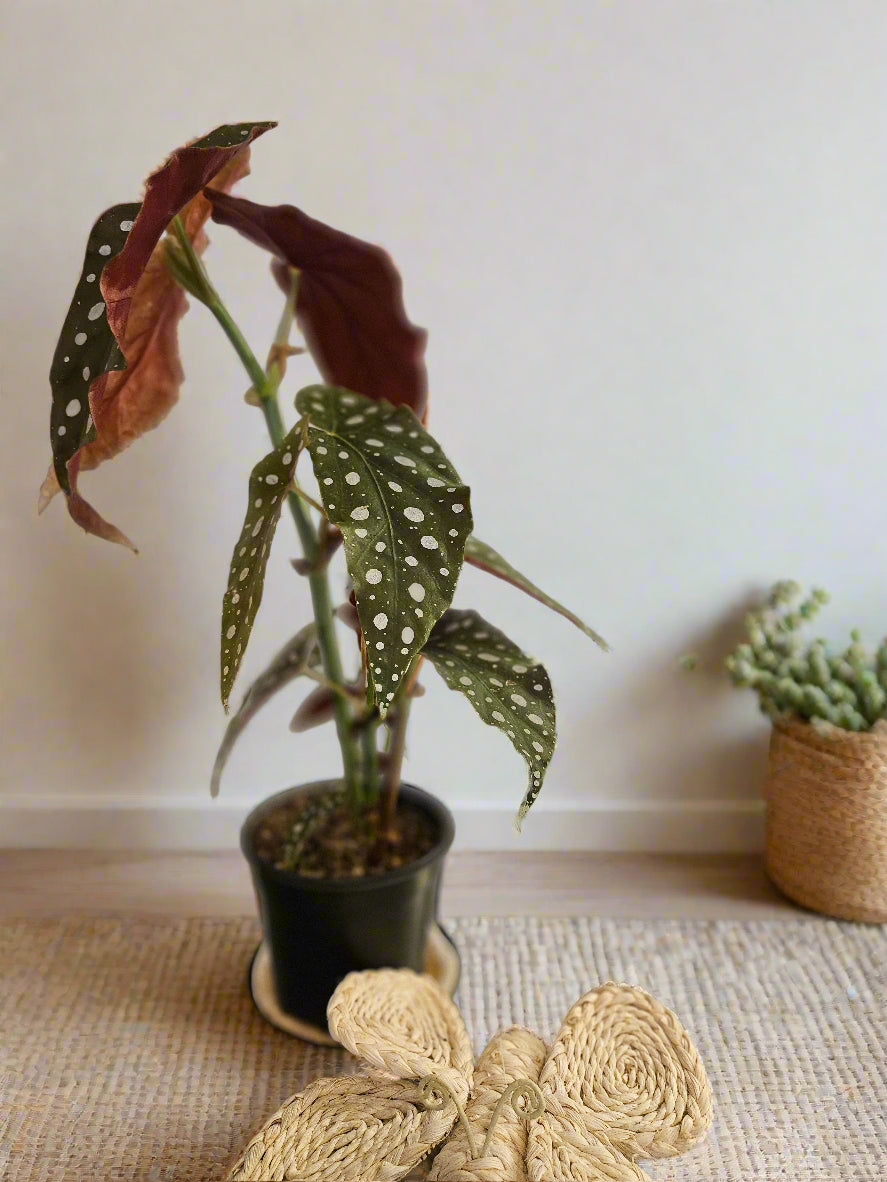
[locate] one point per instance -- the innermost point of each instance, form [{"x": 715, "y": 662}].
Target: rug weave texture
[{"x": 129, "y": 1049}]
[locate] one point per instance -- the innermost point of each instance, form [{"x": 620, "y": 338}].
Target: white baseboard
[{"x": 194, "y": 823}]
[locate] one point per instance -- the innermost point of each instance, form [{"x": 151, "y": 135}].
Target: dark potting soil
[{"x": 319, "y": 839}]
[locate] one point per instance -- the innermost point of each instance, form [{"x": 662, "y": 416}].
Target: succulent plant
[{"x": 847, "y": 689}]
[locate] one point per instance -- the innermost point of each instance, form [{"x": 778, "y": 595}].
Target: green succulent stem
[{"x": 266, "y": 382}]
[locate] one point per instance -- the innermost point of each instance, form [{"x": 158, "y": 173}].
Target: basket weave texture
[
  {"x": 623, "y": 1080},
  {"x": 827, "y": 818}
]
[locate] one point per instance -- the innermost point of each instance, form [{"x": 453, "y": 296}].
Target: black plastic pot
[{"x": 319, "y": 929}]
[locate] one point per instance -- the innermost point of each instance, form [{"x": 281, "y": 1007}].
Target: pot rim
[
  {"x": 431, "y": 805},
  {"x": 827, "y": 735}
]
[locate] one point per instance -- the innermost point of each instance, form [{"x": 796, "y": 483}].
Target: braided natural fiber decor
[
  {"x": 827, "y": 818},
  {"x": 404, "y": 1027},
  {"x": 624, "y": 1074},
  {"x": 403, "y": 1024},
  {"x": 513, "y": 1054},
  {"x": 622, "y": 1081}
]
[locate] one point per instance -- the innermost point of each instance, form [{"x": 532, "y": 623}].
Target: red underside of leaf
[
  {"x": 184, "y": 174},
  {"x": 349, "y": 304},
  {"x": 83, "y": 514},
  {"x": 143, "y": 306},
  {"x": 316, "y": 709}
]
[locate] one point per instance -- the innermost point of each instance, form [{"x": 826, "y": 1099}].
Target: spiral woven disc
[
  {"x": 623, "y": 1080},
  {"x": 404, "y": 1025}
]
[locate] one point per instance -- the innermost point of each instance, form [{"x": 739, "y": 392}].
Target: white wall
[{"x": 648, "y": 240}]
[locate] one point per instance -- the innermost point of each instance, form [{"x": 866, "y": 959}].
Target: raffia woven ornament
[{"x": 621, "y": 1081}]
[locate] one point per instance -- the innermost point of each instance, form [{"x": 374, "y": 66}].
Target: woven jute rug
[{"x": 130, "y": 1049}]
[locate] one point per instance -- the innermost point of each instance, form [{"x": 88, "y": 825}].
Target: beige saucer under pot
[{"x": 442, "y": 963}]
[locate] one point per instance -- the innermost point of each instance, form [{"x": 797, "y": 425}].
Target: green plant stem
[
  {"x": 266, "y": 384},
  {"x": 396, "y": 751},
  {"x": 369, "y": 745},
  {"x": 327, "y": 640},
  {"x": 300, "y": 492},
  {"x": 355, "y": 699}
]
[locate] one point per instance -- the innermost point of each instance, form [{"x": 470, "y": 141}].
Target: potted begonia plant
[{"x": 347, "y": 871}]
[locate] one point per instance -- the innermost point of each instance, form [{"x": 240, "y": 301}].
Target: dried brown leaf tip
[
  {"x": 350, "y": 300},
  {"x": 116, "y": 372}
]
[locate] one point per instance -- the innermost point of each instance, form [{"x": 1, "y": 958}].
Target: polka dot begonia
[
  {"x": 506, "y": 688},
  {"x": 404, "y": 515},
  {"x": 268, "y": 485}
]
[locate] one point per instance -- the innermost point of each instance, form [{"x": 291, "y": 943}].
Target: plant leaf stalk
[{"x": 396, "y": 752}]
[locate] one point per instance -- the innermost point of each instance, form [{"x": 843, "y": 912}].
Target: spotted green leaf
[
  {"x": 481, "y": 555},
  {"x": 404, "y": 516},
  {"x": 299, "y": 654},
  {"x": 506, "y": 687},
  {"x": 267, "y": 488},
  {"x": 86, "y": 347}
]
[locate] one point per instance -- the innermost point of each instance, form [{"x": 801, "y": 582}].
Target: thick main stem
[
  {"x": 369, "y": 745},
  {"x": 266, "y": 384},
  {"x": 327, "y": 640}
]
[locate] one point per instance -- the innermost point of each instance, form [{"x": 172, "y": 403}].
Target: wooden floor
[{"x": 645, "y": 886}]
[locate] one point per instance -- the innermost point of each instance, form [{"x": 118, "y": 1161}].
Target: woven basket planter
[{"x": 827, "y": 819}]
